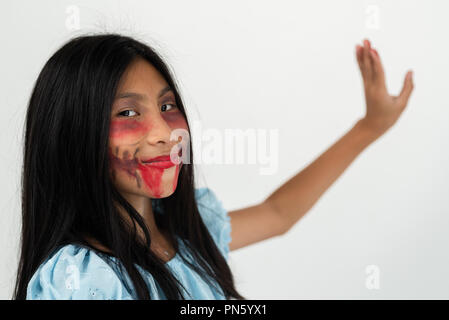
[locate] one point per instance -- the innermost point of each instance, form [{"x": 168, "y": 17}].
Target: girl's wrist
[{"x": 371, "y": 129}]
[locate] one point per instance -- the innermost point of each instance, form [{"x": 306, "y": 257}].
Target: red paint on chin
[{"x": 153, "y": 178}]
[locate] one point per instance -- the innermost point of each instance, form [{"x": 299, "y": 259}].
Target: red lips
[
  {"x": 160, "y": 158},
  {"x": 160, "y": 161}
]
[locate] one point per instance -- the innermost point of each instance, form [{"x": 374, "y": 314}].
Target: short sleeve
[
  {"x": 76, "y": 272},
  {"x": 215, "y": 217}
]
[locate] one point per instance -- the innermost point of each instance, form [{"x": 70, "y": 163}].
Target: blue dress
[{"x": 78, "y": 272}]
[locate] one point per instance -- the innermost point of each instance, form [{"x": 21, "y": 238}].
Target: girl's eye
[
  {"x": 163, "y": 109},
  {"x": 127, "y": 111},
  {"x": 168, "y": 104}
]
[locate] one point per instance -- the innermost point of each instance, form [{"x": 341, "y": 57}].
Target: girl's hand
[{"x": 382, "y": 109}]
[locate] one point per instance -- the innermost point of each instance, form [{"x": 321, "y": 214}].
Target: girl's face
[{"x": 143, "y": 115}]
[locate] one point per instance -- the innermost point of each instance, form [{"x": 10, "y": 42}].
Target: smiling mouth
[{"x": 161, "y": 162}]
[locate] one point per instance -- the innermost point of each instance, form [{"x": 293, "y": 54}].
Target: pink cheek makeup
[
  {"x": 175, "y": 119},
  {"x": 121, "y": 128}
]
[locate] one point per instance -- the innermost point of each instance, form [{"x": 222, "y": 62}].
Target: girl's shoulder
[
  {"x": 215, "y": 217},
  {"x": 210, "y": 206},
  {"x": 76, "y": 272}
]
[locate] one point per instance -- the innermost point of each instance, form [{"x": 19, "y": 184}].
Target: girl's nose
[{"x": 159, "y": 131}]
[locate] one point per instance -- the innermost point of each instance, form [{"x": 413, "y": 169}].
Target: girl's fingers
[
  {"x": 378, "y": 71},
  {"x": 367, "y": 63},
  {"x": 358, "y": 53},
  {"x": 360, "y": 60},
  {"x": 406, "y": 89}
]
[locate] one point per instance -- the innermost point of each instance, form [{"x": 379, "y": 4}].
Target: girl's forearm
[{"x": 295, "y": 197}]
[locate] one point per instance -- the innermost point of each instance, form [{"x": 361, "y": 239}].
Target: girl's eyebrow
[{"x": 140, "y": 96}]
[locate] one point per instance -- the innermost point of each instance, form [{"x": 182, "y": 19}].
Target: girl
[{"x": 109, "y": 205}]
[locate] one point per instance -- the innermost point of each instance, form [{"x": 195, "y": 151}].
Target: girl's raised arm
[{"x": 292, "y": 200}]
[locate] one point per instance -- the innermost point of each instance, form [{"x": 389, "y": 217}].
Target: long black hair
[{"x": 67, "y": 192}]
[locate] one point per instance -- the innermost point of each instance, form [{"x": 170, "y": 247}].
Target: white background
[{"x": 287, "y": 65}]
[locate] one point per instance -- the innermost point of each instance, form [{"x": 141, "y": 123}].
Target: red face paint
[
  {"x": 175, "y": 119},
  {"x": 120, "y": 128},
  {"x": 131, "y": 129},
  {"x": 152, "y": 177},
  {"x": 125, "y": 164}
]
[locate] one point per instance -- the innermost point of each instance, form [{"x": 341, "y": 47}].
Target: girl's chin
[
  {"x": 161, "y": 193},
  {"x": 159, "y": 196}
]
